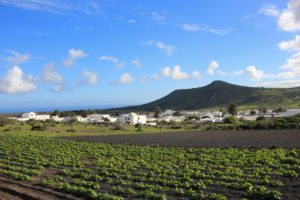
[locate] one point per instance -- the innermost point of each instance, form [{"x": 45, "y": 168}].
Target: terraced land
[{"x": 48, "y": 168}]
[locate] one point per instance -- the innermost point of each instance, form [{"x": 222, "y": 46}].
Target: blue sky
[{"x": 87, "y": 54}]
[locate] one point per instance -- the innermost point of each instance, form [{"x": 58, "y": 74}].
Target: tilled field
[{"x": 224, "y": 139}]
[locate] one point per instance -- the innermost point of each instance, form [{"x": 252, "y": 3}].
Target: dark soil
[{"x": 288, "y": 138}]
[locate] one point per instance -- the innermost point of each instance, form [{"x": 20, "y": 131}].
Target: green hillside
[{"x": 220, "y": 94}]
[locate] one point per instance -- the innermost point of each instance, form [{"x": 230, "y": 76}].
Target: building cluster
[{"x": 167, "y": 116}]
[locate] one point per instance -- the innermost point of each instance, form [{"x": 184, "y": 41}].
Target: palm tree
[
  {"x": 232, "y": 108},
  {"x": 157, "y": 112}
]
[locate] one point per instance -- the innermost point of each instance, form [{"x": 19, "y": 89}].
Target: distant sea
[{"x": 62, "y": 108}]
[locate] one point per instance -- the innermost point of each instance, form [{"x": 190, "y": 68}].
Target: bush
[
  {"x": 13, "y": 128},
  {"x": 4, "y": 121},
  {"x": 248, "y": 125},
  {"x": 177, "y": 126},
  {"x": 231, "y": 120},
  {"x": 116, "y": 126},
  {"x": 280, "y": 122},
  {"x": 37, "y": 127},
  {"x": 71, "y": 130}
]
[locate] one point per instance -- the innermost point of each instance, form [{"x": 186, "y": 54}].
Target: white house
[
  {"x": 32, "y": 115},
  {"x": 133, "y": 118},
  {"x": 168, "y": 112}
]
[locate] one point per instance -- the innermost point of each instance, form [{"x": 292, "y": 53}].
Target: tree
[
  {"x": 253, "y": 112},
  {"x": 157, "y": 112},
  {"x": 232, "y": 108},
  {"x": 55, "y": 113}
]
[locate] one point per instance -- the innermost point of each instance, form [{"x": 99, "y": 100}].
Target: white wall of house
[{"x": 133, "y": 118}]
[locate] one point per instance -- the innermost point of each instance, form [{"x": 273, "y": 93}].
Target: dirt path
[
  {"x": 239, "y": 138},
  {"x": 13, "y": 190}
]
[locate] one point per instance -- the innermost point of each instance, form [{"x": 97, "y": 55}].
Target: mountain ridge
[{"x": 219, "y": 94}]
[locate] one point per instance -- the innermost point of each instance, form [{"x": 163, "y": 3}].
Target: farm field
[{"x": 52, "y": 168}]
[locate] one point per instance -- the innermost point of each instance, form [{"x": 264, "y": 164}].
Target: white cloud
[
  {"x": 126, "y": 78},
  {"x": 190, "y": 27},
  {"x": 73, "y": 55},
  {"x": 221, "y": 73},
  {"x": 291, "y": 45},
  {"x": 56, "y": 6},
  {"x": 158, "y": 17},
  {"x": 49, "y": 74},
  {"x": 196, "y": 27},
  {"x": 109, "y": 58},
  {"x": 136, "y": 62},
  {"x": 289, "y": 19},
  {"x": 120, "y": 65},
  {"x": 196, "y": 75},
  {"x": 292, "y": 64},
  {"x": 237, "y": 73},
  {"x": 154, "y": 77},
  {"x": 253, "y": 73},
  {"x": 17, "y": 58},
  {"x": 16, "y": 82},
  {"x": 57, "y": 88},
  {"x": 211, "y": 67},
  {"x": 270, "y": 10},
  {"x": 166, "y": 72},
  {"x": 90, "y": 77},
  {"x": 282, "y": 84},
  {"x": 177, "y": 74},
  {"x": 131, "y": 21},
  {"x": 169, "y": 49}
]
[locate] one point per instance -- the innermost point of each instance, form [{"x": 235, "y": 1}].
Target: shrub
[
  {"x": 13, "y": 128},
  {"x": 37, "y": 127},
  {"x": 280, "y": 122},
  {"x": 231, "y": 120},
  {"x": 116, "y": 126},
  {"x": 71, "y": 130},
  {"x": 4, "y": 121}
]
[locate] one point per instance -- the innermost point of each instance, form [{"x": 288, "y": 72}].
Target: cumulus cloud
[
  {"x": 169, "y": 49},
  {"x": 90, "y": 77},
  {"x": 211, "y": 67},
  {"x": 196, "y": 75},
  {"x": 49, "y": 74},
  {"x": 16, "y": 82},
  {"x": 174, "y": 73},
  {"x": 293, "y": 65},
  {"x": 126, "y": 78},
  {"x": 73, "y": 55},
  {"x": 109, "y": 58},
  {"x": 270, "y": 10},
  {"x": 158, "y": 17},
  {"x": 120, "y": 65},
  {"x": 17, "y": 58},
  {"x": 237, "y": 73},
  {"x": 177, "y": 74},
  {"x": 257, "y": 75},
  {"x": 136, "y": 62},
  {"x": 291, "y": 45},
  {"x": 282, "y": 84},
  {"x": 289, "y": 19},
  {"x": 165, "y": 72}
]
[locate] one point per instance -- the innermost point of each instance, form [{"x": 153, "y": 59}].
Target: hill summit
[{"x": 220, "y": 94}]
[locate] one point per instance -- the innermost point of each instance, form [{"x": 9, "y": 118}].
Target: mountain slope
[{"x": 220, "y": 94}]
